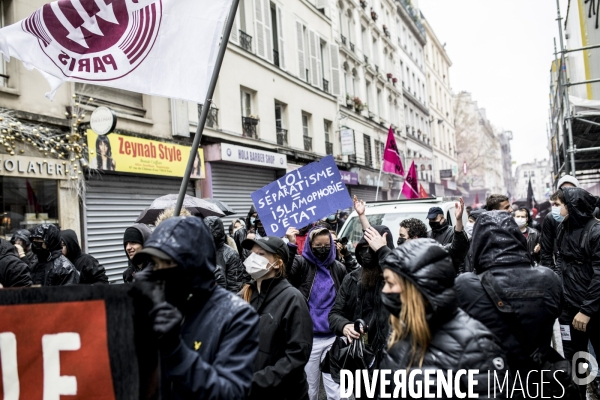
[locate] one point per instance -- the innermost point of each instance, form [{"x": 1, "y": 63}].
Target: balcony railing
[
  {"x": 343, "y": 39},
  {"x": 212, "y": 119},
  {"x": 329, "y": 147},
  {"x": 282, "y": 137},
  {"x": 307, "y": 143},
  {"x": 245, "y": 41},
  {"x": 366, "y": 59},
  {"x": 325, "y": 85},
  {"x": 351, "y": 46},
  {"x": 249, "y": 127},
  {"x": 276, "y": 58},
  {"x": 376, "y": 68}
]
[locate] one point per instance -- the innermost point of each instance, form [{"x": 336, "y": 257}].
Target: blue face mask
[
  {"x": 556, "y": 214},
  {"x": 252, "y": 220}
]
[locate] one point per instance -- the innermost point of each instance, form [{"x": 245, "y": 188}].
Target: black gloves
[{"x": 166, "y": 322}]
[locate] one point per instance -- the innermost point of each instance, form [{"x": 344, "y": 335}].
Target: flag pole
[{"x": 207, "y": 105}]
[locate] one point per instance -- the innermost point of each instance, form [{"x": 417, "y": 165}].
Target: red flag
[
  {"x": 422, "y": 193},
  {"x": 391, "y": 156},
  {"x": 410, "y": 190}
]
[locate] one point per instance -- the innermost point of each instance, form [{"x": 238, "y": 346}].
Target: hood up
[
  {"x": 24, "y": 235},
  {"x": 497, "y": 242},
  {"x": 250, "y": 212},
  {"x": 6, "y": 248},
  {"x": 50, "y": 235},
  {"x": 426, "y": 264},
  {"x": 217, "y": 229},
  {"x": 581, "y": 205},
  {"x": 363, "y": 242},
  {"x": 188, "y": 241},
  {"x": 73, "y": 249}
]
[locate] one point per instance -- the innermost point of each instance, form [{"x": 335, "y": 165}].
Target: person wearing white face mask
[
  {"x": 285, "y": 328},
  {"x": 521, "y": 217}
]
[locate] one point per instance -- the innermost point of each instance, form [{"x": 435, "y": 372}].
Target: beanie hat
[
  {"x": 133, "y": 235},
  {"x": 567, "y": 179}
]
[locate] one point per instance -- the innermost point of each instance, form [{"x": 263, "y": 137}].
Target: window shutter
[
  {"x": 335, "y": 69},
  {"x": 235, "y": 31},
  {"x": 280, "y": 37},
  {"x": 268, "y": 29},
  {"x": 319, "y": 61},
  {"x": 259, "y": 30},
  {"x": 313, "y": 59},
  {"x": 300, "y": 43}
]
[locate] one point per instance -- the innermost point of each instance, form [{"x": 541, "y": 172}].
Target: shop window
[{"x": 27, "y": 203}]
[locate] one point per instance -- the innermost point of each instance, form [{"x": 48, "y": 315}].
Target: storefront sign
[
  {"x": 445, "y": 173},
  {"x": 301, "y": 197},
  {"x": 347, "y": 139},
  {"x": 246, "y": 155},
  {"x": 103, "y": 120},
  {"x": 349, "y": 178},
  {"x": 370, "y": 178},
  {"x": 33, "y": 167},
  {"x": 141, "y": 156}
]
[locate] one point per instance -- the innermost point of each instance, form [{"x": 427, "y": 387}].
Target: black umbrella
[
  {"x": 222, "y": 206},
  {"x": 194, "y": 205}
]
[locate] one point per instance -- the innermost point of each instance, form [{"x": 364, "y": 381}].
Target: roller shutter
[
  {"x": 365, "y": 193},
  {"x": 112, "y": 205},
  {"x": 233, "y": 185}
]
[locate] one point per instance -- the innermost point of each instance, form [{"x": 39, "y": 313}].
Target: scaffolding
[{"x": 574, "y": 124}]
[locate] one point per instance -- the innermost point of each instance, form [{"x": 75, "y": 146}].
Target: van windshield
[{"x": 353, "y": 230}]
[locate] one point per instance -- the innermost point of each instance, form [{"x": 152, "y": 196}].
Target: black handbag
[{"x": 350, "y": 356}]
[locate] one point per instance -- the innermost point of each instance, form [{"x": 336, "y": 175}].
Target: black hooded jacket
[
  {"x": 285, "y": 341},
  {"x": 444, "y": 235},
  {"x": 13, "y": 271},
  {"x": 132, "y": 269},
  {"x": 357, "y": 301},
  {"x": 579, "y": 269},
  {"x": 25, "y": 236},
  {"x": 500, "y": 247},
  {"x": 219, "y": 332},
  {"x": 229, "y": 264},
  {"x": 52, "y": 268},
  {"x": 548, "y": 243},
  {"x": 90, "y": 270},
  {"x": 457, "y": 340}
]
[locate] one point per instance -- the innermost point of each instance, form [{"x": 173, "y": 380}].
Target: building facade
[
  {"x": 540, "y": 173},
  {"x": 445, "y": 167}
]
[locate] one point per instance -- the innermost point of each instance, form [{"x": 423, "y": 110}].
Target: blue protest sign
[{"x": 301, "y": 197}]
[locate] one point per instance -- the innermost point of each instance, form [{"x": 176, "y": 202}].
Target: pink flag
[
  {"x": 410, "y": 190},
  {"x": 391, "y": 156}
]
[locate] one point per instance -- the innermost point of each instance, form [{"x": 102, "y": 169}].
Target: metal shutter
[
  {"x": 365, "y": 193},
  {"x": 112, "y": 205},
  {"x": 233, "y": 185}
]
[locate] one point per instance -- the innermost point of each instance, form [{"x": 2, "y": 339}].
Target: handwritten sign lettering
[{"x": 301, "y": 197}]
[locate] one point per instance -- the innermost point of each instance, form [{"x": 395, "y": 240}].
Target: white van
[{"x": 391, "y": 213}]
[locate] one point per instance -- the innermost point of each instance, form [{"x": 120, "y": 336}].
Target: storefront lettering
[
  {"x": 256, "y": 156},
  {"x": 32, "y": 167},
  {"x": 169, "y": 153}
]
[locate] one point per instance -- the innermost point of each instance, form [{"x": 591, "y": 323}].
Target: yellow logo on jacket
[{"x": 197, "y": 345}]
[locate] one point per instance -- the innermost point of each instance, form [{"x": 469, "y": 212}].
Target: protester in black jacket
[
  {"x": 359, "y": 297},
  {"x": 90, "y": 270},
  {"x": 429, "y": 331},
  {"x": 52, "y": 268},
  {"x": 22, "y": 242},
  {"x": 441, "y": 231},
  {"x": 522, "y": 218},
  {"x": 228, "y": 260},
  {"x": 285, "y": 328},
  {"x": 13, "y": 271},
  {"x": 579, "y": 265},
  {"x": 500, "y": 250},
  {"x": 207, "y": 336},
  {"x": 133, "y": 241},
  {"x": 318, "y": 276}
]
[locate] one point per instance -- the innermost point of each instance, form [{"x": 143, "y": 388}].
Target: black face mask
[
  {"x": 436, "y": 225},
  {"x": 321, "y": 252},
  {"x": 38, "y": 250},
  {"x": 391, "y": 301},
  {"x": 176, "y": 284},
  {"x": 367, "y": 259},
  {"x": 401, "y": 241}
]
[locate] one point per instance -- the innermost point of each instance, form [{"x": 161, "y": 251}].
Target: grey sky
[{"x": 501, "y": 53}]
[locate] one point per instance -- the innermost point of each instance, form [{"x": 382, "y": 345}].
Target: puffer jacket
[
  {"x": 356, "y": 301},
  {"x": 444, "y": 235},
  {"x": 458, "y": 341},
  {"x": 132, "y": 269},
  {"x": 285, "y": 341},
  {"x": 219, "y": 332},
  {"x": 90, "y": 270},
  {"x": 52, "y": 268},
  {"x": 499, "y": 247},
  {"x": 580, "y": 272},
  {"x": 13, "y": 271},
  {"x": 229, "y": 264}
]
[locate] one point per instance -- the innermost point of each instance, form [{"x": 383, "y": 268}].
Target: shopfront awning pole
[{"x": 207, "y": 105}]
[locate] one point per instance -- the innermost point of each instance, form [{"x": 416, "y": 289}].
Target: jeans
[{"x": 313, "y": 371}]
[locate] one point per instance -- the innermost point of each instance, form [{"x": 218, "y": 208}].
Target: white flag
[{"x": 158, "y": 47}]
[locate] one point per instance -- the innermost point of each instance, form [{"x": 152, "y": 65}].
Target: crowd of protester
[{"x": 247, "y": 315}]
